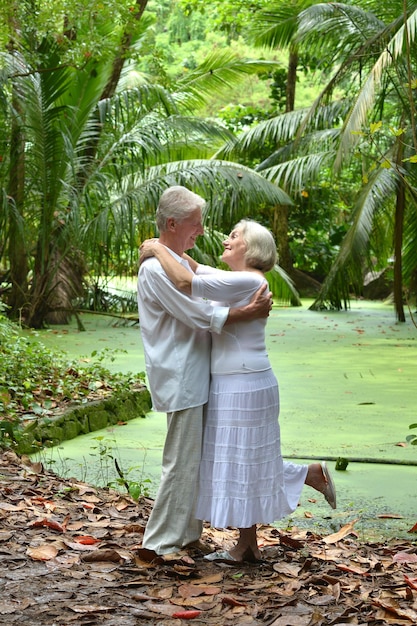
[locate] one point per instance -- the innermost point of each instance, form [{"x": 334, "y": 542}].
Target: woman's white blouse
[{"x": 240, "y": 348}]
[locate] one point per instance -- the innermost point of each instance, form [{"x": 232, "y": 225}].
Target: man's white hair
[{"x": 177, "y": 202}]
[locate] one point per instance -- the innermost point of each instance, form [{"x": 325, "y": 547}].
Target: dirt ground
[{"x": 71, "y": 554}]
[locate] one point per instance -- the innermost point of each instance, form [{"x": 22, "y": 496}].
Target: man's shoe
[{"x": 199, "y": 546}]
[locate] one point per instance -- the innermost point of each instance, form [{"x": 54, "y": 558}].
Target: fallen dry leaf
[
  {"x": 405, "y": 557},
  {"x": 347, "y": 529},
  {"x": 191, "y": 591},
  {"x": 102, "y": 555},
  {"x": 91, "y": 608},
  {"x": 49, "y": 523},
  {"x": 44, "y": 552}
]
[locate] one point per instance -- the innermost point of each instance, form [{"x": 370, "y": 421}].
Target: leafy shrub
[
  {"x": 35, "y": 380},
  {"x": 412, "y": 438}
]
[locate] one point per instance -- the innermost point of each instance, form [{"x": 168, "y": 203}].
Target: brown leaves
[
  {"x": 71, "y": 554},
  {"x": 49, "y": 523},
  {"x": 343, "y": 532},
  {"x": 43, "y": 552}
]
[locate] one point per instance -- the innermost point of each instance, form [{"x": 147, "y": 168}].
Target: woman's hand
[{"x": 147, "y": 249}]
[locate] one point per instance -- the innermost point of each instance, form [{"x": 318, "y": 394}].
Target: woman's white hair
[
  {"x": 177, "y": 202},
  {"x": 261, "y": 251}
]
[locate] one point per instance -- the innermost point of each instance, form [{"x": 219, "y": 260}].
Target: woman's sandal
[
  {"x": 329, "y": 491},
  {"x": 223, "y": 556}
]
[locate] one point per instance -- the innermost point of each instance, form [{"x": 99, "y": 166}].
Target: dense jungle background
[{"x": 300, "y": 115}]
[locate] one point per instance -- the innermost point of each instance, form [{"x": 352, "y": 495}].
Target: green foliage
[
  {"x": 412, "y": 438},
  {"x": 111, "y": 474},
  {"x": 231, "y": 17},
  {"x": 318, "y": 222},
  {"x": 35, "y": 381},
  {"x": 278, "y": 87},
  {"x": 103, "y": 468},
  {"x": 83, "y": 30},
  {"x": 90, "y": 149},
  {"x": 238, "y": 117}
]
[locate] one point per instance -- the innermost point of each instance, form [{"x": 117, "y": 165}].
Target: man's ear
[{"x": 171, "y": 224}]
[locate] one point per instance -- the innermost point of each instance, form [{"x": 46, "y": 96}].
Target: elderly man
[{"x": 176, "y": 331}]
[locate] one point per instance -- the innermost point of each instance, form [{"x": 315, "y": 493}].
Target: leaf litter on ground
[{"x": 71, "y": 554}]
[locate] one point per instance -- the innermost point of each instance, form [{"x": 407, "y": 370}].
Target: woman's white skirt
[{"x": 243, "y": 479}]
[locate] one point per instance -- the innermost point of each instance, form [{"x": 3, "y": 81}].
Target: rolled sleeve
[{"x": 218, "y": 319}]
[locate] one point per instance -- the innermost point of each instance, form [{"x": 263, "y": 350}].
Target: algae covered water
[{"x": 348, "y": 389}]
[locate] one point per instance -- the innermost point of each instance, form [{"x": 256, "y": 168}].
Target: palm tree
[
  {"x": 375, "y": 49},
  {"x": 49, "y": 119},
  {"x": 92, "y": 167},
  {"x": 365, "y": 114},
  {"x": 276, "y": 27}
]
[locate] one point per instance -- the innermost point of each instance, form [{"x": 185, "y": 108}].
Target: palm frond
[
  {"x": 232, "y": 191},
  {"x": 131, "y": 105},
  {"x": 154, "y": 140},
  {"x": 276, "y": 26},
  {"x": 295, "y": 174},
  {"x": 346, "y": 271},
  {"x": 274, "y": 131},
  {"x": 356, "y": 119},
  {"x": 219, "y": 70},
  {"x": 282, "y": 287},
  {"x": 368, "y": 33},
  {"x": 282, "y": 129},
  {"x": 337, "y": 28}
]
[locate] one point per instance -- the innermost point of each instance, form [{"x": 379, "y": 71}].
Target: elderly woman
[{"x": 243, "y": 479}]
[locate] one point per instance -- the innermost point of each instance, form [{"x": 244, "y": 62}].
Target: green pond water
[{"x": 348, "y": 385}]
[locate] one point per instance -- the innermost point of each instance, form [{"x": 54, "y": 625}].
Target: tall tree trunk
[
  {"x": 398, "y": 238},
  {"x": 280, "y": 230},
  {"x": 398, "y": 242},
  {"x": 120, "y": 59},
  {"x": 291, "y": 80},
  {"x": 280, "y": 224},
  {"x": 18, "y": 259},
  {"x": 111, "y": 85}
]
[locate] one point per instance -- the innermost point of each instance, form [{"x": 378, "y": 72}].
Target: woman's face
[{"x": 234, "y": 250}]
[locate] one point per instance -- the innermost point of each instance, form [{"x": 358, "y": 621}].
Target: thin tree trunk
[
  {"x": 280, "y": 230},
  {"x": 291, "y": 81},
  {"x": 398, "y": 242},
  {"x": 111, "y": 85},
  {"x": 18, "y": 260},
  {"x": 119, "y": 61},
  {"x": 280, "y": 224}
]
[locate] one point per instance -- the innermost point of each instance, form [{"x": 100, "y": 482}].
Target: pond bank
[{"x": 84, "y": 417}]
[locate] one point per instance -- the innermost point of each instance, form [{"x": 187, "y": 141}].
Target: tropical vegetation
[
  {"x": 39, "y": 383},
  {"x": 362, "y": 122},
  {"x": 104, "y": 107}
]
